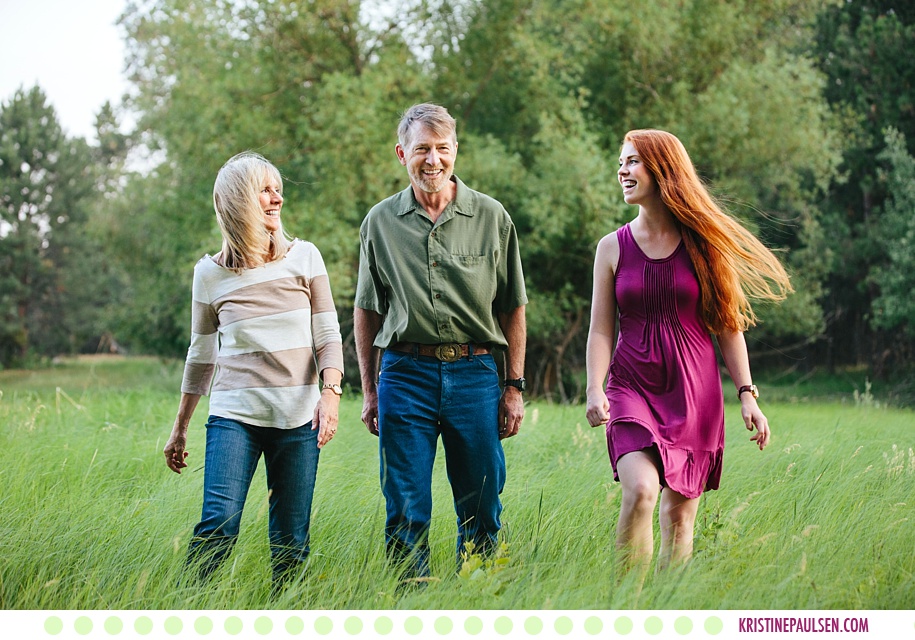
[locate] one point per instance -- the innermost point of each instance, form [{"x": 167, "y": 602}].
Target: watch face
[{"x": 752, "y": 389}]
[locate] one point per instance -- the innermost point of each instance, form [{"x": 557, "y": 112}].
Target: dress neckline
[{"x": 645, "y": 255}]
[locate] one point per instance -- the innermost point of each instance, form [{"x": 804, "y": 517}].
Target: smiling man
[{"x": 440, "y": 290}]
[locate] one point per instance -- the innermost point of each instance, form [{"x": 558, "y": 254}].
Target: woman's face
[
  {"x": 271, "y": 201},
  {"x": 638, "y": 184}
]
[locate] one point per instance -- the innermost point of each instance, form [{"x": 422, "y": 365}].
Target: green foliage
[
  {"x": 895, "y": 306},
  {"x": 53, "y": 280},
  {"x": 863, "y": 48},
  {"x": 476, "y": 566}
]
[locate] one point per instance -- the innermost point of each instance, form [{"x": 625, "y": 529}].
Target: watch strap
[
  {"x": 752, "y": 388},
  {"x": 336, "y": 388}
]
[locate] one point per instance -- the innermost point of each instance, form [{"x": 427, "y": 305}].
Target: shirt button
[
  {"x": 438, "y": 295},
  {"x": 434, "y": 264}
]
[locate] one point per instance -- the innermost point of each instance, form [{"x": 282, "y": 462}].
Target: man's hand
[
  {"x": 370, "y": 412},
  {"x": 511, "y": 412}
]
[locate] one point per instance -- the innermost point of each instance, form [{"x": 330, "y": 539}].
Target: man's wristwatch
[
  {"x": 336, "y": 388},
  {"x": 752, "y": 388},
  {"x": 518, "y": 383}
]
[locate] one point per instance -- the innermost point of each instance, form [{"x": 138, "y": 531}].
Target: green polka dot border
[{"x": 377, "y": 625}]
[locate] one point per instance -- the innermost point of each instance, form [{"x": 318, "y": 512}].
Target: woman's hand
[
  {"x": 598, "y": 410},
  {"x": 174, "y": 451},
  {"x": 753, "y": 416},
  {"x": 175, "y": 447},
  {"x": 326, "y": 417}
]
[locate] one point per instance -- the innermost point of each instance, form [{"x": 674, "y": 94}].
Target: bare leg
[
  {"x": 640, "y": 481},
  {"x": 678, "y": 519}
]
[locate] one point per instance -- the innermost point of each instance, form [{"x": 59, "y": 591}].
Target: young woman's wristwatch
[
  {"x": 752, "y": 388},
  {"x": 336, "y": 388}
]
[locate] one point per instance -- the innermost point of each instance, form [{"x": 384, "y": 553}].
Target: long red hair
[{"x": 732, "y": 265}]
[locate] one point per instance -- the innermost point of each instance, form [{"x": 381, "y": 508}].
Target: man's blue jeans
[
  {"x": 418, "y": 399},
  {"x": 232, "y": 451}
]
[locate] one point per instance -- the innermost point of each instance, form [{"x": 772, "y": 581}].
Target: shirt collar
[{"x": 462, "y": 202}]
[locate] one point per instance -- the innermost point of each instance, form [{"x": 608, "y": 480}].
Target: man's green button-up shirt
[{"x": 442, "y": 282}]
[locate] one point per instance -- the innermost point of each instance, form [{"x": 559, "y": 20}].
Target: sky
[{"x": 71, "y": 48}]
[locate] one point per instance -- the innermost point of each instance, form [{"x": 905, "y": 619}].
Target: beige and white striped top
[{"x": 266, "y": 334}]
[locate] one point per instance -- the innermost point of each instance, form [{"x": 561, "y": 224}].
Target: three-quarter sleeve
[
  {"x": 200, "y": 364},
  {"x": 325, "y": 327}
]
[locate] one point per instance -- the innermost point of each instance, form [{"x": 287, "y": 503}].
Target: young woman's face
[
  {"x": 271, "y": 200},
  {"x": 637, "y": 182}
]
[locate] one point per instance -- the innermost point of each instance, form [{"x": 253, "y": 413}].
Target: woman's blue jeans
[
  {"x": 420, "y": 398},
  {"x": 232, "y": 452}
]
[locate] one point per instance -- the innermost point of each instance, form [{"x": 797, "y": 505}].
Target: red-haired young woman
[{"x": 679, "y": 273}]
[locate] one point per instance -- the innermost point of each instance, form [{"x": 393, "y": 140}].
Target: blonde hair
[
  {"x": 246, "y": 243},
  {"x": 433, "y": 116},
  {"x": 731, "y": 264}
]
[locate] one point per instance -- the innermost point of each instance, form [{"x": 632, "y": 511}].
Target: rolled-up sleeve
[
  {"x": 510, "y": 289},
  {"x": 369, "y": 288}
]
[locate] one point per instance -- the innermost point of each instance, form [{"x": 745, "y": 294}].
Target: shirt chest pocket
[{"x": 473, "y": 279}]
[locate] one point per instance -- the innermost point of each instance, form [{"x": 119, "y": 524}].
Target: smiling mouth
[{"x": 273, "y": 213}]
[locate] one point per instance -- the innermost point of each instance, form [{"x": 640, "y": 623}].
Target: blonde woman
[
  {"x": 266, "y": 346},
  {"x": 678, "y": 274}
]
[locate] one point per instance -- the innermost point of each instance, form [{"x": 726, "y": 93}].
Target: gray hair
[{"x": 436, "y": 118}]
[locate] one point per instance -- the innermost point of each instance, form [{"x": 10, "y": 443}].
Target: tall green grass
[{"x": 91, "y": 518}]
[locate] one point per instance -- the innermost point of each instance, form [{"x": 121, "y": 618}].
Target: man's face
[{"x": 429, "y": 158}]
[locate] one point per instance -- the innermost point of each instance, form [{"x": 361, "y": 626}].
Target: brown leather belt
[{"x": 446, "y": 352}]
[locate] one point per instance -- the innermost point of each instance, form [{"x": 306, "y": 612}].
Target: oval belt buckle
[{"x": 448, "y": 352}]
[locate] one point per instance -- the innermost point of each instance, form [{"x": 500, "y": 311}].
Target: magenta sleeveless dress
[{"x": 664, "y": 387}]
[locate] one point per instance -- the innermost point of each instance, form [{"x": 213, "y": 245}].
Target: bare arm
[
  {"x": 367, "y": 324},
  {"x": 602, "y": 331},
  {"x": 175, "y": 451},
  {"x": 511, "y": 406},
  {"x": 734, "y": 352}
]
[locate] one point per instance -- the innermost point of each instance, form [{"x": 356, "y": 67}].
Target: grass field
[{"x": 91, "y": 518}]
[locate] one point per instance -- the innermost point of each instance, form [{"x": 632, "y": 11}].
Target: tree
[
  {"x": 894, "y": 307},
  {"x": 46, "y": 185},
  {"x": 864, "y": 49}
]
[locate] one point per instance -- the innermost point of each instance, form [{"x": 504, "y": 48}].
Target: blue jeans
[
  {"x": 232, "y": 452},
  {"x": 420, "y": 398}
]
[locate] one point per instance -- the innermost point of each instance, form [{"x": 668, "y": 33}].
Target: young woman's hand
[
  {"x": 754, "y": 417},
  {"x": 598, "y": 411}
]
